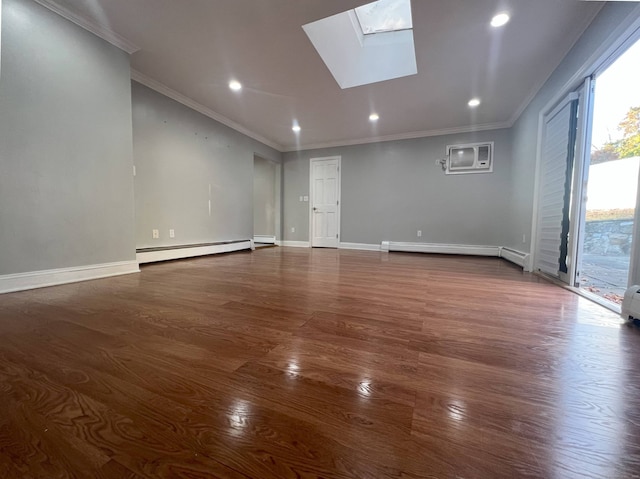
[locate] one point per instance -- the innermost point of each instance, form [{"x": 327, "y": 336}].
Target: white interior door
[{"x": 325, "y": 202}]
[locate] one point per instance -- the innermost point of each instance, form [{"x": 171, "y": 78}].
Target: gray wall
[
  {"x": 392, "y": 189},
  {"x": 67, "y": 193},
  {"x": 525, "y": 131},
  {"x": 184, "y": 159},
  {"x": 264, "y": 197},
  {"x": 66, "y": 186}
]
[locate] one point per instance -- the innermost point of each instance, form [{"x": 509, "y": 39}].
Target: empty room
[{"x": 319, "y": 239}]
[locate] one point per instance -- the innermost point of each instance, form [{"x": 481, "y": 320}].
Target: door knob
[{"x": 315, "y": 209}]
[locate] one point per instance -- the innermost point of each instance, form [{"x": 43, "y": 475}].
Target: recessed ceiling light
[
  {"x": 374, "y": 117},
  {"x": 474, "y": 103},
  {"x": 296, "y": 128},
  {"x": 235, "y": 85},
  {"x": 500, "y": 20}
]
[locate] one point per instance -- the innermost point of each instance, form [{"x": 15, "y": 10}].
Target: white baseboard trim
[
  {"x": 471, "y": 250},
  {"x": 180, "y": 253},
  {"x": 41, "y": 279},
  {"x": 517, "y": 257},
  {"x": 264, "y": 239},
  {"x": 360, "y": 246},
  {"x": 296, "y": 244}
]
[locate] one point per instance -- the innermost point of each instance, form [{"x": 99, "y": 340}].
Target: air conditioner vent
[{"x": 470, "y": 158}]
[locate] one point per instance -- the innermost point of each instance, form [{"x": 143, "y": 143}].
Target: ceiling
[{"x": 192, "y": 50}]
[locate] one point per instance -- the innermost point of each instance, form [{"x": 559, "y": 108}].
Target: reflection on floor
[
  {"x": 305, "y": 363},
  {"x": 605, "y": 276}
]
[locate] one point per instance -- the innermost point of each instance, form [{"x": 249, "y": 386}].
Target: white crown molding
[
  {"x": 127, "y": 46},
  {"x": 401, "y": 136},
  {"x": 194, "y": 105},
  {"x": 53, "y": 277},
  {"x": 456, "y": 130},
  {"x": 98, "y": 30},
  {"x": 536, "y": 89}
]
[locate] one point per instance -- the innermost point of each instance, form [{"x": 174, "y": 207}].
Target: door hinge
[
  {"x": 337, "y": 202},
  {"x": 336, "y": 235}
]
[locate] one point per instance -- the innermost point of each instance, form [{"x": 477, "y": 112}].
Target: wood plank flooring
[{"x": 296, "y": 363}]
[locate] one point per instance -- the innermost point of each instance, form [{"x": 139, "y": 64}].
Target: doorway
[
  {"x": 612, "y": 166},
  {"x": 324, "y": 214},
  {"x": 265, "y": 202}
]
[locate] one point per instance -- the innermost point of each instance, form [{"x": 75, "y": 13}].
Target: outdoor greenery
[
  {"x": 617, "y": 214},
  {"x": 628, "y": 146},
  {"x": 630, "y": 126}
]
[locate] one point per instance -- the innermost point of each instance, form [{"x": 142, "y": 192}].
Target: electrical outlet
[
  {"x": 419, "y": 233},
  {"x": 301, "y": 199},
  {"x": 293, "y": 229},
  {"x": 172, "y": 233},
  {"x": 155, "y": 234},
  {"x": 306, "y": 199}
]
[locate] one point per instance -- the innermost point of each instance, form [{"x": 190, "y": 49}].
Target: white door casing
[
  {"x": 580, "y": 180},
  {"x": 324, "y": 204}
]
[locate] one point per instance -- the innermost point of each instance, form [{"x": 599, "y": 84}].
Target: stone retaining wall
[{"x": 608, "y": 237}]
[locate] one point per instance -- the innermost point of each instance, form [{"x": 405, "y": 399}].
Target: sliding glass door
[{"x": 612, "y": 164}]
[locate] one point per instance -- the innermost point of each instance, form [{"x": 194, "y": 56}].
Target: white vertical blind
[{"x": 553, "y": 175}]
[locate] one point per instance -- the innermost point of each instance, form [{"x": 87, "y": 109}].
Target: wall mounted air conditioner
[{"x": 469, "y": 158}]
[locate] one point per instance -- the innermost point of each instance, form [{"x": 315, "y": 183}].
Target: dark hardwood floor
[{"x": 296, "y": 363}]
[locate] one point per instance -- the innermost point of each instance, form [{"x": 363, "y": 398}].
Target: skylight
[
  {"x": 370, "y": 44},
  {"x": 385, "y": 16}
]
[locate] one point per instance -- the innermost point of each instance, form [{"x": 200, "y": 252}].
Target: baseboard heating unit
[
  {"x": 152, "y": 255},
  {"x": 517, "y": 257},
  {"x": 441, "y": 248},
  {"x": 264, "y": 239}
]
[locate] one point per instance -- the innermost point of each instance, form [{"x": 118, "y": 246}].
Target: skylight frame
[{"x": 371, "y": 30}]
